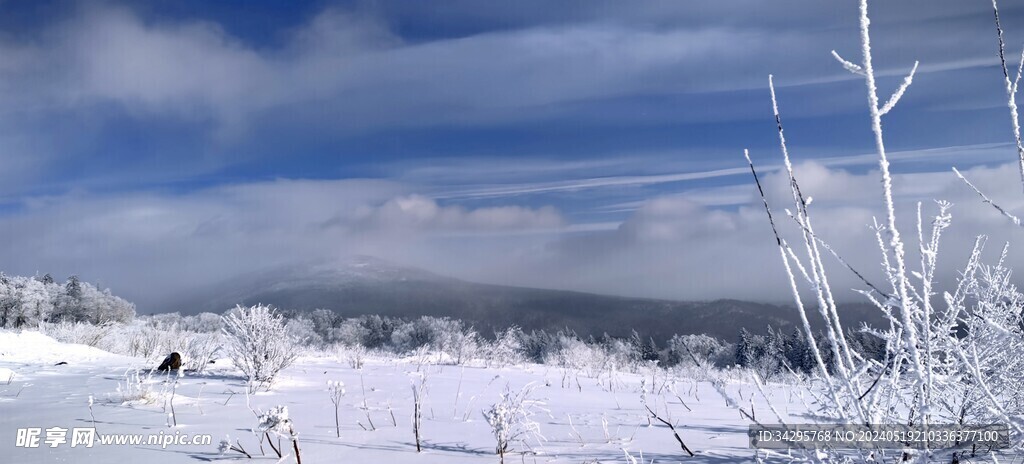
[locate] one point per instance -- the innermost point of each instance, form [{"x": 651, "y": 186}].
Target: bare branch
[
  {"x": 746, "y": 154},
  {"x": 672, "y": 427},
  {"x": 881, "y": 373},
  {"x": 985, "y": 199}
]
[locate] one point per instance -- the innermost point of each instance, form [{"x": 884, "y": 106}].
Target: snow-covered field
[{"x": 42, "y": 394}]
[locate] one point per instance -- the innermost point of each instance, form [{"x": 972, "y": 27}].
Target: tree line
[{"x": 28, "y": 301}]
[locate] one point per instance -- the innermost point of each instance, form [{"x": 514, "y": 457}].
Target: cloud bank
[{"x": 153, "y": 246}]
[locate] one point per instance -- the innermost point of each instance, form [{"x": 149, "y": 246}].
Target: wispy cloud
[{"x": 933, "y": 158}]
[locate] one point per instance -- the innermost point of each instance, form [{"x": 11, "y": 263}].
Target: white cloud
[{"x": 419, "y": 213}]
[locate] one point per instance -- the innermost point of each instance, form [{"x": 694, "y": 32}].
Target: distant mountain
[{"x": 366, "y": 285}]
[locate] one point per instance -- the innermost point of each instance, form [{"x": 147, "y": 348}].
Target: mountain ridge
[{"x": 366, "y": 285}]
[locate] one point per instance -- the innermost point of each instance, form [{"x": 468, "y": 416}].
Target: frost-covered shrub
[
  {"x": 258, "y": 343},
  {"x": 154, "y": 341},
  {"x": 986, "y": 358},
  {"x": 80, "y": 333},
  {"x": 141, "y": 342},
  {"x": 139, "y": 388},
  {"x": 592, "y": 358},
  {"x": 164, "y": 321},
  {"x": 277, "y": 421},
  {"x": 454, "y": 339},
  {"x": 700, "y": 350},
  {"x": 202, "y": 323},
  {"x": 444, "y": 335},
  {"x": 618, "y": 355},
  {"x": 506, "y": 349},
  {"x": 198, "y": 349},
  {"x": 572, "y": 353},
  {"x": 354, "y": 355},
  {"x": 512, "y": 419}
]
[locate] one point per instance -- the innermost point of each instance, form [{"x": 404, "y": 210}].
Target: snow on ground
[
  {"x": 45, "y": 395},
  {"x": 28, "y": 347}
]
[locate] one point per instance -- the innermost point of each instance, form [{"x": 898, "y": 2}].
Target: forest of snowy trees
[{"x": 28, "y": 301}]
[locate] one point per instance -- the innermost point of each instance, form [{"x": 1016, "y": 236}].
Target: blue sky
[{"x": 588, "y": 145}]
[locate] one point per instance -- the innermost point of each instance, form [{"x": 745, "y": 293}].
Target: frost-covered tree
[
  {"x": 323, "y": 321},
  {"x": 409, "y": 336},
  {"x": 202, "y": 322},
  {"x": 100, "y": 306},
  {"x": 507, "y": 348},
  {"x": 698, "y": 350},
  {"x": 30, "y": 300},
  {"x": 798, "y": 355},
  {"x": 647, "y": 350},
  {"x": 303, "y": 331},
  {"x": 378, "y": 330},
  {"x": 258, "y": 343},
  {"x": 455, "y": 339},
  {"x": 8, "y": 301},
  {"x": 746, "y": 348},
  {"x": 350, "y": 332},
  {"x": 35, "y": 302}
]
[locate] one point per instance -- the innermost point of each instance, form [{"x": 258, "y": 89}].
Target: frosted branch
[
  {"x": 823, "y": 291},
  {"x": 985, "y": 199},
  {"x": 842, "y": 261},
  {"x": 1020, "y": 70},
  {"x": 799, "y": 266},
  {"x": 849, "y": 66},
  {"x": 1011, "y": 89},
  {"x": 895, "y": 98},
  {"x": 808, "y": 332},
  {"x": 907, "y": 307},
  {"x": 746, "y": 154}
]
